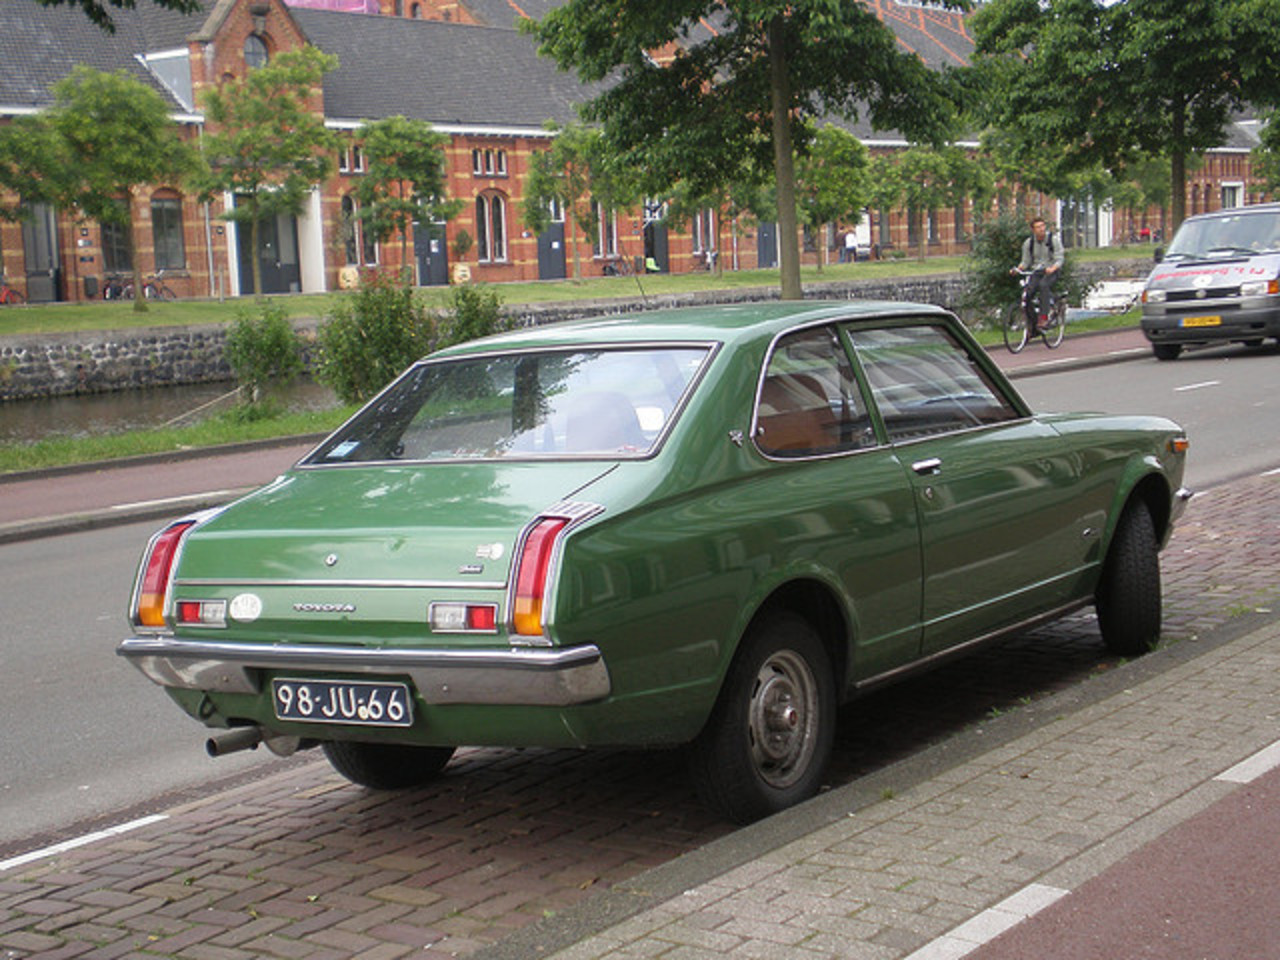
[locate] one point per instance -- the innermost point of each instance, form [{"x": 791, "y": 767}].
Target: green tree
[
  {"x": 266, "y": 144},
  {"x": 404, "y": 180},
  {"x": 99, "y": 10},
  {"x": 113, "y": 135},
  {"x": 1088, "y": 83},
  {"x": 925, "y": 179},
  {"x": 831, "y": 181},
  {"x": 741, "y": 100}
]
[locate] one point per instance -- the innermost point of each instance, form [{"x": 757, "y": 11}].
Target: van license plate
[
  {"x": 1201, "y": 321},
  {"x": 327, "y": 701}
]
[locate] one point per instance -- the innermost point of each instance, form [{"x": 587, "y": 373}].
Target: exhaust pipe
[{"x": 241, "y": 738}]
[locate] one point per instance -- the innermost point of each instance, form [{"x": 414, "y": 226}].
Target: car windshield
[
  {"x": 596, "y": 403},
  {"x": 1226, "y": 236}
]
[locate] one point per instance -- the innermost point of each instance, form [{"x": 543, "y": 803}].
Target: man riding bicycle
[{"x": 1043, "y": 255}]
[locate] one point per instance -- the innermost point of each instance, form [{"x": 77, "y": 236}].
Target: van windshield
[{"x": 1236, "y": 235}]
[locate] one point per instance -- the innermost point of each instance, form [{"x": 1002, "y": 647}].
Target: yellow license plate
[{"x": 1201, "y": 321}]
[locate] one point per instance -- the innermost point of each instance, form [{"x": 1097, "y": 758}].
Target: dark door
[
  {"x": 433, "y": 254},
  {"x": 551, "y": 252},
  {"x": 40, "y": 245},
  {"x": 767, "y": 244},
  {"x": 277, "y": 255},
  {"x": 656, "y": 252}
]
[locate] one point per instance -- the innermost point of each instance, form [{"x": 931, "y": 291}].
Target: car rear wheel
[
  {"x": 769, "y": 738},
  {"x": 1128, "y": 596},
  {"x": 1167, "y": 351},
  {"x": 386, "y": 766}
]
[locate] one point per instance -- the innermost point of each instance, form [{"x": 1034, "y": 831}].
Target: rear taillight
[
  {"x": 531, "y": 575},
  {"x": 149, "y": 611}
]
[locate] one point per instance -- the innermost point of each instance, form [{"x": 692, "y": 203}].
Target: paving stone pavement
[{"x": 1036, "y": 762}]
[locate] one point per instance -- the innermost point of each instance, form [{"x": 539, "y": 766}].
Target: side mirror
[{"x": 1158, "y": 255}]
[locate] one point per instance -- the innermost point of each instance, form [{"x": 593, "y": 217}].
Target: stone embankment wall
[{"x": 99, "y": 361}]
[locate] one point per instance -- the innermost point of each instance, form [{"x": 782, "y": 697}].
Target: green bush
[
  {"x": 997, "y": 246},
  {"x": 370, "y": 337},
  {"x": 263, "y": 350},
  {"x": 477, "y": 312}
]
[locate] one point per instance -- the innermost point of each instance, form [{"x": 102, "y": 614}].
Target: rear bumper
[{"x": 524, "y": 677}]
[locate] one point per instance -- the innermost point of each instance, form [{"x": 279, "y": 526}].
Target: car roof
[
  {"x": 1254, "y": 208},
  {"x": 722, "y": 323}
]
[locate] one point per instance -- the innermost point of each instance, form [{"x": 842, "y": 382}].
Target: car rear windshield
[{"x": 570, "y": 403}]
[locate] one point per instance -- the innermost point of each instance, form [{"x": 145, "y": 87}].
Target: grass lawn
[{"x": 230, "y": 428}]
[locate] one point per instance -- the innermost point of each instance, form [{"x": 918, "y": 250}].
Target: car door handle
[{"x": 927, "y": 467}]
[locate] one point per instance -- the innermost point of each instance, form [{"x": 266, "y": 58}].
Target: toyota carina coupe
[{"x": 706, "y": 527}]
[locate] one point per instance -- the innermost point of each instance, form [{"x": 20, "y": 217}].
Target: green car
[{"x": 707, "y": 527}]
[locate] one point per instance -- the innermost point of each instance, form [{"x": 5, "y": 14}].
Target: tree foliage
[
  {"x": 266, "y": 144},
  {"x": 99, "y": 11},
  {"x": 925, "y": 179},
  {"x": 1074, "y": 84},
  {"x": 404, "y": 179},
  {"x": 831, "y": 181},
  {"x": 263, "y": 350},
  {"x": 738, "y": 99}
]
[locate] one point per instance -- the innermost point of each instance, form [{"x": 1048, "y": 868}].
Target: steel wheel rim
[{"x": 782, "y": 720}]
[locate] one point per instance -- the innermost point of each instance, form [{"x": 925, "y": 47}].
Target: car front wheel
[
  {"x": 1167, "y": 351},
  {"x": 770, "y": 735},
  {"x": 1128, "y": 596},
  {"x": 386, "y": 766}
]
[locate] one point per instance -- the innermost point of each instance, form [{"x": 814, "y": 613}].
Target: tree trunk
[
  {"x": 1178, "y": 167},
  {"x": 784, "y": 163},
  {"x": 255, "y": 261},
  {"x": 139, "y": 295}
]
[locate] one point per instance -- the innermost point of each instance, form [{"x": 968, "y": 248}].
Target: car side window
[
  {"x": 809, "y": 404},
  {"x": 924, "y": 381}
]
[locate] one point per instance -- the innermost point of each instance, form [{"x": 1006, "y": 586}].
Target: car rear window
[{"x": 569, "y": 403}]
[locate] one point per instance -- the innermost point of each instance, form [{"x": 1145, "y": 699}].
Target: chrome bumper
[
  {"x": 532, "y": 677},
  {"x": 1180, "y": 501}
]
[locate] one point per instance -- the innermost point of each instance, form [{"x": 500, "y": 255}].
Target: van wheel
[
  {"x": 770, "y": 735},
  {"x": 1167, "y": 351},
  {"x": 386, "y": 766},
  {"x": 1128, "y": 595}
]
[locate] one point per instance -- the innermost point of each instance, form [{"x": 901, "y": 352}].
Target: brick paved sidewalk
[{"x": 527, "y": 851}]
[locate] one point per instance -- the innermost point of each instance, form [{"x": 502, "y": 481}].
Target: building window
[
  {"x": 704, "y": 231},
  {"x": 166, "y": 233},
  {"x": 415, "y": 11},
  {"x": 491, "y": 228},
  {"x": 115, "y": 248},
  {"x": 255, "y": 52},
  {"x": 605, "y": 241},
  {"x": 489, "y": 163},
  {"x": 351, "y": 159},
  {"x": 358, "y": 246}
]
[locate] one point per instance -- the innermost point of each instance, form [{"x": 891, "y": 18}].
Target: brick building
[{"x": 462, "y": 66}]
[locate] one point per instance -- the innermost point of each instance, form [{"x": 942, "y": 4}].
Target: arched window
[
  {"x": 358, "y": 245},
  {"x": 255, "y": 51},
  {"x": 166, "y": 231},
  {"x": 491, "y": 228}
]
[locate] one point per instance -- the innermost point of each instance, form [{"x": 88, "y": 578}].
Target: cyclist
[{"x": 1043, "y": 255}]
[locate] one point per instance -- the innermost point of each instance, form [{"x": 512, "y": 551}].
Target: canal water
[{"x": 25, "y": 421}]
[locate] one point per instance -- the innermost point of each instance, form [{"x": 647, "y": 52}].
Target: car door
[
  {"x": 836, "y": 500},
  {"x": 994, "y": 489}
]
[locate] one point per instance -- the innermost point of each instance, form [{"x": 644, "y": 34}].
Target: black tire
[
  {"x": 769, "y": 738},
  {"x": 1057, "y": 328},
  {"x": 1128, "y": 596},
  {"x": 386, "y": 766},
  {"x": 1016, "y": 328},
  {"x": 1167, "y": 351}
]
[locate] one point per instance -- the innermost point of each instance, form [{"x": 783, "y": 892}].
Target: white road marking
[
  {"x": 1273, "y": 473},
  {"x": 164, "y": 501},
  {"x": 990, "y": 923},
  {"x": 79, "y": 842},
  {"x": 1251, "y": 768},
  {"x": 1198, "y": 386}
]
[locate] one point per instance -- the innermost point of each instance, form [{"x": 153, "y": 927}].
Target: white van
[{"x": 1218, "y": 282}]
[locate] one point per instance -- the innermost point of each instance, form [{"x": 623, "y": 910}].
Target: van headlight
[
  {"x": 1259, "y": 288},
  {"x": 1153, "y": 296}
]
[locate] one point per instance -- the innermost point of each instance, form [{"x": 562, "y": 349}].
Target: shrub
[
  {"x": 477, "y": 312},
  {"x": 263, "y": 350},
  {"x": 374, "y": 333}
]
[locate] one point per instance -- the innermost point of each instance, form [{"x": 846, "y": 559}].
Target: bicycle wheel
[
  {"x": 12, "y": 296},
  {"x": 1015, "y": 328},
  {"x": 166, "y": 293},
  {"x": 1057, "y": 328}
]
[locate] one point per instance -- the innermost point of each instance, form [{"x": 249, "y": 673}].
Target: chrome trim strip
[
  {"x": 512, "y": 677},
  {"x": 349, "y": 584}
]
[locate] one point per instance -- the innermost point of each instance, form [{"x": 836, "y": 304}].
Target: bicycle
[
  {"x": 9, "y": 295},
  {"x": 617, "y": 267},
  {"x": 156, "y": 289},
  {"x": 115, "y": 287},
  {"x": 1017, "y": 325}
]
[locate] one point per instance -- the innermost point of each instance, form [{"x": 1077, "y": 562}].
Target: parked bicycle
[
  {"x": 1019, "y": 327},
  {"x": 9, "y": 295},
  {"x": 116, "y": 287},
  {"x": 156, "y": 289},
  {"x": 617, "y": 267}
]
